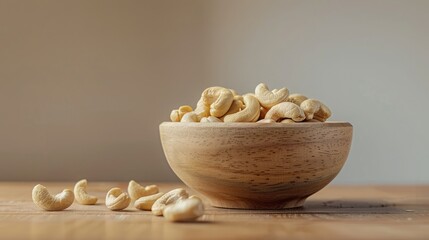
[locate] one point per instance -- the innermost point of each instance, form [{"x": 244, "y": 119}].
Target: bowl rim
[{"x": 256, "y": 125}]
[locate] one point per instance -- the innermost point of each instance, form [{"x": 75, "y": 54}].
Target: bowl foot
[{"x": 258, "y": 205}]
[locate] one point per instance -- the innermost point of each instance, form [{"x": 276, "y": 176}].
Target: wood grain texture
[
  {"x": 256, "y": 166},
  {"x": 335, "y": 212}
]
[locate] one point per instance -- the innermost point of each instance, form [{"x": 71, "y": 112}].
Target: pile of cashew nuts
[
  {"x": 175, "y": 206},
  {"x": 218, "y": 104}
]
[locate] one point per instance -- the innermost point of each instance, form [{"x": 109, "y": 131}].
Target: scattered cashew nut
[
  {"x": 82, "y": 197},
  {"x": 219, "y": 99},
  {"x": 117, "y": 200},
  {"x": 145, "y": 203},
  {"x": 44, "y": 200},
  {"x": 137, "y": 191},
  {"x": 315, "y": 109},
  {"x": 286, "y": 110},
  {"x": 167, "y": 199},
  {"x": 250, "y": 113},
  {"x": 184, "y": 210},
  {"x": 269, "y": 98}
]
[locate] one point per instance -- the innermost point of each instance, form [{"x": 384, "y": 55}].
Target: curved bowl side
[{"x": 260, "y": 167}]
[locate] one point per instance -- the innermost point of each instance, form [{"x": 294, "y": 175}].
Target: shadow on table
[
  {"x": 331, "y": 207},
  {"x": 347, "y": 207}
]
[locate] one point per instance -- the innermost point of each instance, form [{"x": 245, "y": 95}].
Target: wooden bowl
[{"x": 256, "y": 166}]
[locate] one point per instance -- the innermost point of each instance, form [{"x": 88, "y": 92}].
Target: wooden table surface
[{"x": 336, "y": 212}]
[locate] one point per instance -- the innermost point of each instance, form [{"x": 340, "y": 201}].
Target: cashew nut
[
  {"x": 311, "y": 120},
  {"x": 219, "y": 99},
  {"x": 177, "y": 114},
  {"x": 296, "y": 98},
  {"x": 287, "y": 120},
  {"x": 234, "y": 92},
  {"x": 310, "y": 106},
  {"x": 250, "y": 113},
  {"x": 210, "y": 119},
  {"x": 174, "y": 116},
  {"x": 193, "y": 196},
  {"x": 323, "y": 114},
  {"x": 189, "y": 117},
  {"x": 238, "y": 97},
  {"x": 145, "y": 203},
  {"x": 81, "y": 195},
  {"x": 236, "y": 106},
  {"x": 269, "y": 98},
  {"x": 137, "y": 191},
  {"x": 202, "y": 110},
  {"x": 269, "y": 120},
  {"x": 167, "y": 199},
  {"x": 263, "y": 112},
  {"x": 184, "y": 210},
  {"x": 286, "y": 110},
  {"x": 44, "y": 200},
  {"x": 315, "y": 109},
  {"x": 117, "y": 200}
]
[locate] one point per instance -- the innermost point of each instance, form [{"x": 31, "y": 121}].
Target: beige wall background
[{"x": 85, "y": 84}]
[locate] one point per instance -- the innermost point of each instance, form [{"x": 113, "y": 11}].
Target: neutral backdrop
[{"x": 85, "y": 84}]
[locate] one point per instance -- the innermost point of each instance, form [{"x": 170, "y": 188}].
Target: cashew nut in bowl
[
  {"x": 263, "y": 111},
  {"x": 234, "y": 92},
  {"x": 177, "y": 114},
  {"x": 296, "y": 98},
  {"x": 236, "y": 106},
  {"x": 202, "y": 110},
  {"x": 315, "y": 109},
  {"x": 238, "y": 97},
  {"x": 286, "y": 110},
  {"x": 287, "y": 120},
  {"x": 190, "y": 117},
  {"x": 269, "y": 98},
  {"x": 193, "y": 196},
  {"x": 137, "y": 191},
  {"x": 311, "y": 121},
  {"x": 269, "y": 120},
  {"x": 44, "y": 200},
  {"x": 174, "y": 116},
  {"x": 250, "y": 113},
  {"x": 323, "y": 114},
  {"x": 184, "y": 210},
  {"x": 117, "y": 200},
  {"x": 146, "y": 203},
  {"x": 219, "y": 99},
  {"x": 169, "y": 198},
  {"x": 219, "y": 104},
  {"x": 310, "y": 106},
  {"x": 210, "y": 119},
  {"x": 82, "y": 197}
]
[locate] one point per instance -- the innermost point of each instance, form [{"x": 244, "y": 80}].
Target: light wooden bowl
[{"x": 256, "y": 166}]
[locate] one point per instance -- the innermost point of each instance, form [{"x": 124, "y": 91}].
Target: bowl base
[{"x": 256, "y": 205}]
